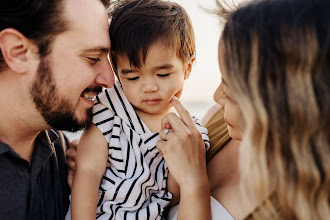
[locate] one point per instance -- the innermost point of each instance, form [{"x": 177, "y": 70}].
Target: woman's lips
[{"x": 228, "y": 123}]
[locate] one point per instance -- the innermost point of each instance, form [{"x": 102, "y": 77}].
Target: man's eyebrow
[{"x": 97, "y": 49}]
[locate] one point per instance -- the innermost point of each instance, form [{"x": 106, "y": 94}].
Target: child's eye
[
  {"x": 163, "y": 75},
  {"x": 133, "y": 79}
]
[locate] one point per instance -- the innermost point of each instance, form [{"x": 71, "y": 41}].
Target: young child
[{"x": 152, "y": 52}]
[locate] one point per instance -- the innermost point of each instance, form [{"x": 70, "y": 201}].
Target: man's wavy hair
[
  {"x": 277, "y": 56},
  {"x": 135, "y": 25}
]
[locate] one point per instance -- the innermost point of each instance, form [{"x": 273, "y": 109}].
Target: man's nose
[{"x": 105, "y": 77}]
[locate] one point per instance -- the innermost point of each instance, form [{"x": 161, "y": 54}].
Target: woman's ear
[
  {"x": 14, "y": 47},
  {"x": 189, "y": 66}
]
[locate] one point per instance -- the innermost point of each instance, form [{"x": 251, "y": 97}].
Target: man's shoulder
[{"x": 60, "y": 140}]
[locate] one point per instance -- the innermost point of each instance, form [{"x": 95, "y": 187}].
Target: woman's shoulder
[
  {"x": 217, "y": 130},
  {"x": 210, "y": 113}
]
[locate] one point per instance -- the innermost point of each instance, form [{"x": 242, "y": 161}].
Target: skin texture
[
  {"x": 184, "y": 152},
  {"x": 149, "y": 89},
  {"x": 223, "y": 96},
  {"x": 225, "y": 182},
  {"x": 187, "y": 163},
  {"x": 70, "y": 69},
  {"x": 75, "y": 57}
]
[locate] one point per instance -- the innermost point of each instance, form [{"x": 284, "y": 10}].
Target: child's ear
[
  {"x": 14, "y": 47},
  {"x": 189, "y": 66}
]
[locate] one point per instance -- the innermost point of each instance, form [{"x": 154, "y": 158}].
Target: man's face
[
  {"x": 57, "y": 111},
  {"x": 76, "y": 69}
]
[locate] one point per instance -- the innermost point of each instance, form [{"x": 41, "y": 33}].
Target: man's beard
[{"x": 57, "y": 111}]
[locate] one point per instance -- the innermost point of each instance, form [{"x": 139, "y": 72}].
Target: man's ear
[
  {"x": 14, "y": 47},
  {"x": 190, "y": 66}
]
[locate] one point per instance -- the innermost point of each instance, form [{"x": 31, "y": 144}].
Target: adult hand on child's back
[{"x": 71, "y": 160}]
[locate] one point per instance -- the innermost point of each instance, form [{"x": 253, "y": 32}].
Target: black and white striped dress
[{"x": 134, "y": 182}]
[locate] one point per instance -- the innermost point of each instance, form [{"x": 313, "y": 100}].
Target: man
[{"x": 53, "y": 61}]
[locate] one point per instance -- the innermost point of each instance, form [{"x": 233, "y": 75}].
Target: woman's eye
[
  {"x": 163, "y": 75},
  {"x": 226, "y": 96},
  {"x": 133, "y": 78}
]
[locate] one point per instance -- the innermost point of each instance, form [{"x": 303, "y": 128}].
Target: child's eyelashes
[
  {"x": 138, "y": 77},
  {"x": 133, "y": 78},
  {"x": 163, "y": 75}
]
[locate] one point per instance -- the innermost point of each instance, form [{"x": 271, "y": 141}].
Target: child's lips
[{"x": 152, "y": 101}]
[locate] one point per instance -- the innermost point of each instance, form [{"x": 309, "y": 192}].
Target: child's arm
[
  {"x": 174, "y": 188},
  {"x": 91, "y": 163}
]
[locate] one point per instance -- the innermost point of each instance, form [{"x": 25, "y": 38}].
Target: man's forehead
[{"x": 88, "y": 24}]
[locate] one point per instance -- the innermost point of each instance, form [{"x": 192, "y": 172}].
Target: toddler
[{"x": 119, "y": 172}]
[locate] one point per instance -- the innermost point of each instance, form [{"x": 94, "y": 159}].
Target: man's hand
[{"x": 71, "y": 160}]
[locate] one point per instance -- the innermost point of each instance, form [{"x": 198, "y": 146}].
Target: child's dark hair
[{"x": 137, "y": 24}]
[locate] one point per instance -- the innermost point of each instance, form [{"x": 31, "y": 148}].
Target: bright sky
[{"x": 205, "y": 76}]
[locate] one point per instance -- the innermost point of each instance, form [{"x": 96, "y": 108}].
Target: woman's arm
[
  {"x": 184, "y": 153},
  {"x": 90, "y": 165}
]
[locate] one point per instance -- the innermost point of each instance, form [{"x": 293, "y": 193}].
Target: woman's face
[{"x": 223, "y": 96}]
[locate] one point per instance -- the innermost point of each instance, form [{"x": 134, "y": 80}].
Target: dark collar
[{"x": 49, "y": 136}]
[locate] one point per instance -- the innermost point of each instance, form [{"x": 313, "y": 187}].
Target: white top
[
  {"x": 134, "y": 182},
  {"x": 218, "y": 211}
]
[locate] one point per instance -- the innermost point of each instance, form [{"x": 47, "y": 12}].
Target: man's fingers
[
  {"x": 71, "y": 155},
  {"x": 74, "y": 144},
  {"x": 70, "y": 178}
]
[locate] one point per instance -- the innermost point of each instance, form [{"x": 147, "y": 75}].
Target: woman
[{"x": 274, "y": 57}]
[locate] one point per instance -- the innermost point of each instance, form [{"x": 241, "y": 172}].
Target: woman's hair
[
  {"x": 136, "y": 25},
  {"x": 277, "y": 57}
]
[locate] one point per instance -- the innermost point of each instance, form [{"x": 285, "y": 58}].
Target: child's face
[
  {"x": 223, "y": 96},
  {"x": 151, "y": 87}
]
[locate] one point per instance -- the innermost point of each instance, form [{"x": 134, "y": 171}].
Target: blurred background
[{"x": 205, "y": 77}]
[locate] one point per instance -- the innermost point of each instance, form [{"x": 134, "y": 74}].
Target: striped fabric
[{"x": 134, "y": 183}]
